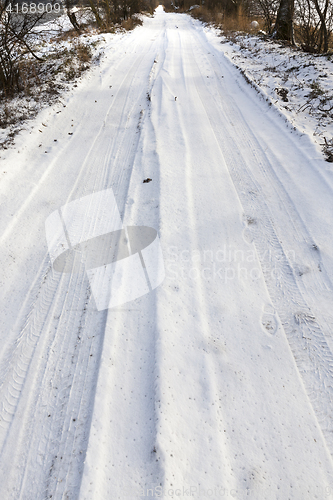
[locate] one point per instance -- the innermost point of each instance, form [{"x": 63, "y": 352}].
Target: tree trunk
[
  {"x": 96, "y": 13},
  {"x": 284, "y": 25}
]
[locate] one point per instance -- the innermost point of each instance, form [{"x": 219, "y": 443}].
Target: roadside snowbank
[
  {"x": 298, "y": 84},
  {"x": 65, "y": 57}
]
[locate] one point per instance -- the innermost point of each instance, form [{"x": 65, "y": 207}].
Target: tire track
[
  {"x": 132, "y": 337},
  {"x": 304, "y": 331},
  {"x": 53, "y": 324},
  {"x": 190, "y": 330}
]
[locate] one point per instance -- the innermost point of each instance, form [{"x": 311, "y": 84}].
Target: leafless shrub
[
  {"x": 109, "y": 13},
  {"x": 268, "y": 10},
  {"x": 16, "y": 43},
  {"x": 309, "y": 23},
  {"x": 328, "y": 150},
  {"x": 83, "y": 52},
  {"x": 131, "y": 23},
  {"x": 230, "y": 22},
  {"x": 314, "y": 23}
]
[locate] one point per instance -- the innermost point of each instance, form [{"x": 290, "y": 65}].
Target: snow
[
  {"x": 297, "y": 84},
  {"x": 218, "y": 382}
]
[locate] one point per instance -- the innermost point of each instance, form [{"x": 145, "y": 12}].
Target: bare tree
[
  {"x": 109, "y": 12},
  {"x": 322, "y": 9},
  {"x": 314, "y": 21},
  {"x": 268, "y": 9},
  {"x": 16, "y": 41},
  {"x": 69, "y": 4},
  {"x": 284, "y": 25}
]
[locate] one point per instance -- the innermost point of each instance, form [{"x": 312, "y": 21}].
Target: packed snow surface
[{"x": 218, "y": 383}]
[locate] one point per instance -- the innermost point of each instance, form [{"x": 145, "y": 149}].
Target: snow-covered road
[{"x": 219, "y": 382}]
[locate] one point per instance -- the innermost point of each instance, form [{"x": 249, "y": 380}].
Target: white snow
[
  {"x": 298, "y": 85},
  {"x": 217, "y": 383}
]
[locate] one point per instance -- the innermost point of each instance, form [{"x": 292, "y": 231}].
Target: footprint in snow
[{"x": 268, "y": 320}]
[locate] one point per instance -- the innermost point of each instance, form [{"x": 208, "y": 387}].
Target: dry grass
[
  {"x": 238, "y": 22},
  {"x": 241, "y": 22},
  {"x": 70, "y": 35},
  {"x": 83, "y": 52},
  {"x": 130, "y": 24}
]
